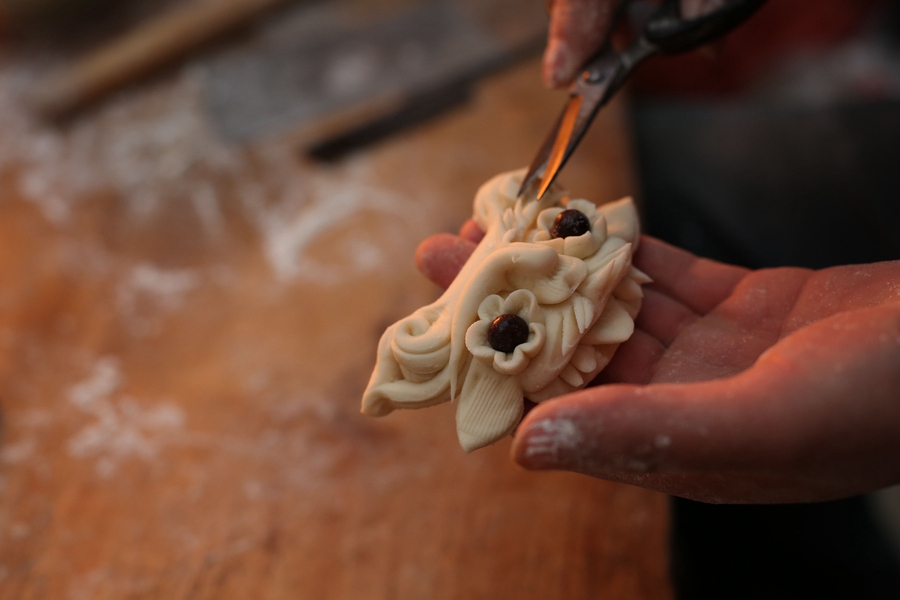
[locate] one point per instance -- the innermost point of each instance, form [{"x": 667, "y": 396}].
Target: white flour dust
[
  {"x": 556, "y": 435},
  {"x": 156, "y": 148},
  {"x": 19, "y": 452},
  {"x": 148, "y": 293},
  {"x": 141, "y": 145},
  {"x": 306, "y": 213},
  {"x": 120, "y": 427}
]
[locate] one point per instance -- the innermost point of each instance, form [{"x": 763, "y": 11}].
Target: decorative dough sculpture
[{"x": 537, "y": 311}]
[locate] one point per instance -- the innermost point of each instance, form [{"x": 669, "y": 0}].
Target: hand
[
  {"x": 778, "y": 385},
  {"x": 578, "y": 28}
]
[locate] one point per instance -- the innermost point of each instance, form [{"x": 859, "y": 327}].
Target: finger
[
  {"x": 577, "y": 29},
  {"x": 662, "y": 316},
  {"x": 602, "y": 441},
  {"x": 633, "y": 361},
  {"x": 441, "y": 257},
  {"x": 699, "y": 283},
  {"x": 816, "y": 418},
  {"x": 471, "y": 231}
]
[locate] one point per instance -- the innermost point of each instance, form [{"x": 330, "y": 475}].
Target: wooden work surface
[{"x": 186, "y": 328}]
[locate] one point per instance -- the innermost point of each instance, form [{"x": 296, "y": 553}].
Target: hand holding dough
[{"x": 537, "y": 311}]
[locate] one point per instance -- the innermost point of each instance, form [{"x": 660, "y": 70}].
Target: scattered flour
[
  {"x": 557, "y": 434},
  {"x": 140, "y": 144},
  {"x": 148, "y": 293},
  {"x": 206, "y": 205},
  {"x": 16, "y": 453},
  {"x": 155, "y": 147},
  {"x": 304, "y": 213},
  {"x": 121, "y": 428}
]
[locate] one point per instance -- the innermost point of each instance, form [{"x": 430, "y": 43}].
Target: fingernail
[
  {"x": 558, "y": 64},
  {"x": 549, "y": 444}
]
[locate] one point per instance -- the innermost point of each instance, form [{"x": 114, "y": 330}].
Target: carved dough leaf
[
  {"x": 572, "y": 376},
  {"x": 602, "y": 354},
  {"x": 584, "y": 359},
  {"x": 605, "y": 254},
  {"x": 599, "y": 285},
  {"x": 489, "y": 408},
  {"x": 565, "y": 328},
  {"x": 622, "y": 220},
  {"x": 571, "y": 334},
  {"x": 614, "y": 326},
  {"x": 628, "y": 289},
  {"x": 584, "y": 312},
  {"x": 639, "y": 276}
]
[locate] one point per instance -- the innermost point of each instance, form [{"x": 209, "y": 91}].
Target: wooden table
[{"x": 186, "y": 328}]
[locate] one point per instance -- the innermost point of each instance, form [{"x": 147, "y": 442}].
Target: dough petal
[
  {"x": 489, "y": 407},
  {"x": 622, "y": 220},
  {"x": 614, "y": 326}
]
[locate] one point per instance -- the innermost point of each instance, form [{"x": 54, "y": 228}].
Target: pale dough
[{"x": 578, "y": 295}]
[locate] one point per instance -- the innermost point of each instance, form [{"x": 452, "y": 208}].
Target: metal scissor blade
[
  {"x": 539, "y": 162},
  {"x": 600, "y": 80},
  {"x": 556, "y": 149},
  {"x": 561, "y": 143},
  {"x": 604, "y": 74}
]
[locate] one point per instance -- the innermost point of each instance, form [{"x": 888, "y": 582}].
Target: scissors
[{"x": 666, "y": 32}]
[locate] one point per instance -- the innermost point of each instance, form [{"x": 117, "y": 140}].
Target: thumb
[
  {"x": 577, "y": 29},
  {"x": 442, "y": 256},
  {"x": 628, "y": 428},
  {"x": 818, "y": 407}
]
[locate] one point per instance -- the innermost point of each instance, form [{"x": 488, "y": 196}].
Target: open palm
[{"x": 778, "y": 385}]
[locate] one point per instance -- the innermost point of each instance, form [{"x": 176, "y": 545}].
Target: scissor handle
[{"x": 671, "y": 34}]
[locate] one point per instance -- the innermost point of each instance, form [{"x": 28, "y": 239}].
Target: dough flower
[
  {"x": 537, "y": 311},
  {"x": 579, "y": 246},
  {"x": 520, "y": 303}
]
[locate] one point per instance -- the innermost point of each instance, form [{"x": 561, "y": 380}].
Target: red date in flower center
[
  {"x": 570, "y": 223},
  {"x": 506, "y": 332}
]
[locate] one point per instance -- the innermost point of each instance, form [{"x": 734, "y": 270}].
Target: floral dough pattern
[{"x": 579, "y": 296}]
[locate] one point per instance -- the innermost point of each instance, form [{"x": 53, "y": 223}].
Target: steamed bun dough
[{"x": 537, "y": 311}]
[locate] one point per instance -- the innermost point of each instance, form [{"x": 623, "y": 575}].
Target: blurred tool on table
[
  {"x": 138, "y": 53},
  {"x": 383, "y": 76},
  {"x": 318, "y": 61}
]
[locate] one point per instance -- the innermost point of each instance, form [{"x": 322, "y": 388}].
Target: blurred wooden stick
[{"x": 142, "y": 51}]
